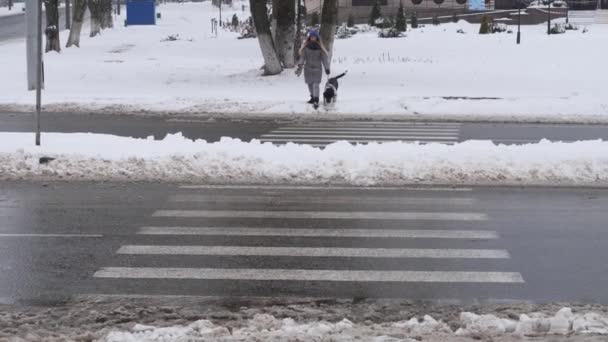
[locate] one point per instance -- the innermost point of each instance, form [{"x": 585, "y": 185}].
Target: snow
[
  {"x": 264, "y": 327},
  {"x": 432, "y": 73},
  {"x": 17, "y": 9},
  {"x": 104, "y": 157}
]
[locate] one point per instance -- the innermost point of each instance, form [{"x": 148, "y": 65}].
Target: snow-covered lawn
[
  {"x": 434, "y": 72},
  {"x": 17, "y": 8},
  {"x": 105, "y": 157}
]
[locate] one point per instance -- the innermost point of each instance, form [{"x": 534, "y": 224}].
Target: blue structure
[{"x": 141, "y": 12}]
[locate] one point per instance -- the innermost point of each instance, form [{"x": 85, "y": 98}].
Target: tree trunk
[
  {"x": 259, "y": 13},
  {"x": 52, "y": 25},
  {"x": 95, "y": 10},
  {"x": 10, "y": 5},
  {"x": 329, "y": 20},
  {"x": 106, "y": 16},
  {"x": 78, "y": 10},
  {"x": 285, "y": 31}
]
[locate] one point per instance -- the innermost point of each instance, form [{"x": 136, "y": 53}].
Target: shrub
[
  {"x": 351, "y": 21},
  {"x": 375, "y": 14},
  {"x": 390, "y": 33},
  {"x": 414, "y": 20},
  {"x": 400, "y": 20},
  {"x": 343, "y": 32},
  {"x": 558, "y": 28}
]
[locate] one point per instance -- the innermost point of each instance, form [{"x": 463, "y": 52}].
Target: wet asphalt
[{"x": 555, "y": 238}]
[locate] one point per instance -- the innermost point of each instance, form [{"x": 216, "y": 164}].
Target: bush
[
  {"x": 558, "y": 28},
  {"x": 351, "y": 21},
  {"x": 485, "y": 26},
  {"x": 235, "y": 21},
  {"x": 571, "y": 27},
  {"x": 414, "y": 20},
  {"x": 376, "y": 14},
  {"x": 343, "y": 32},
  {"x": 436, "y": 20},
  {"x": 400, "y": 20},
  {"x": 390, "y": 33},
  {"x": 499, "y": 27}
]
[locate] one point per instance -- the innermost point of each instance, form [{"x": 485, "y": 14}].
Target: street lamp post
[
  {"x": 549, "y": 17},
  {"x": 38, "y": 69},
  {"x": 519, "y": 22}
]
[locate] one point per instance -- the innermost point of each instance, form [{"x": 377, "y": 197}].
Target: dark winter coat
[{"x": 313, "y": 59}]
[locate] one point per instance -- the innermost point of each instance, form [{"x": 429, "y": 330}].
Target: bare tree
[
  {"x": 329, "y": 20},
  {"x": 106, "y": 16},
  {"x": 259, "y": 13},
  {"x": 80, "y": 7},
  {"x": 96, "y": 13},
  {"x": 52, "y": 25},
  {"x": 285, "y": 31}
]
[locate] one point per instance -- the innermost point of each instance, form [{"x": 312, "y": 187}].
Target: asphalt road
[
  {"x": 302, "y": 131},
  {"x": 466, "y": 244},
  {"x": 13, "y": 27}
]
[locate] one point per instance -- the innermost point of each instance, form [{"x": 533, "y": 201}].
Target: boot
[
  {"x": 312, "y": 100},
  {"x": 315, "y": 102}
]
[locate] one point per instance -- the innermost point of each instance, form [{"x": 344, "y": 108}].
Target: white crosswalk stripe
[
  {"x": 317, "y": 252},
  {"x": 312, "y": 232},
  {"x": 196, "y": 251},
  {"x": 308, "y": 275},
  {"x": 324, "y": 133}
]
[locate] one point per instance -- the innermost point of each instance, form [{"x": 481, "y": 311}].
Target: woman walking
[{"x": 313, "y": 59}]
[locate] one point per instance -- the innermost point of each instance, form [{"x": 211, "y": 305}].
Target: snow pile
[
  {"x": 106, "y": 157},
  {"x": 564, "y": 322},
  {"x": 263, "y": 327},
  {"x": 434, "y": 72}
]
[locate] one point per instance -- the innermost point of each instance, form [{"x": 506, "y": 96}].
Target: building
[{"x": 361, "y": 9}]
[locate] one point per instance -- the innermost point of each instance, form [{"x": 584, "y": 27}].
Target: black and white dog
[{"x": 330, "y": 94}]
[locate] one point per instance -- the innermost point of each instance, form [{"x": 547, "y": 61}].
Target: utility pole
[{"x": 68, "y": 17}]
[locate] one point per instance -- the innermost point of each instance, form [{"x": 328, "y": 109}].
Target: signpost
[{"x": 35, "y": 81}]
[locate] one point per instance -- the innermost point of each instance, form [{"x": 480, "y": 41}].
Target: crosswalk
[
  {"x": 268, "y": 241},
  {"x": 322, "y": 133}
]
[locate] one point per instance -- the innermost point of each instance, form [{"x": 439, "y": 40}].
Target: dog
[{"x": 330, "y": 94}]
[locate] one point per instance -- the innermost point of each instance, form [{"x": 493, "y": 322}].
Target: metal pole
[
  {"x": 519, "y": 22},
  {"x": 39, "y": 73},
  {"x": 68, "y": 17},
  {"x": 549, "y": 17}
]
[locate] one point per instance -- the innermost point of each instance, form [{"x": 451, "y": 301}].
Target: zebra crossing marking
[
  {"x": 326, "y": 252},
  {"x": 308, "y": 275},
  {"x": 346, "y": 215},
  {"x": 312, "y": 232}
]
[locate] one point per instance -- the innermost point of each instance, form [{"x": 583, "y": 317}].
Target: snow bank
[
  {"x": 432, "y": 73},
  {"x": 105, "y": 157},
  {"x": 17, "y": 9},
  {"x": 268, "y": 328}
]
